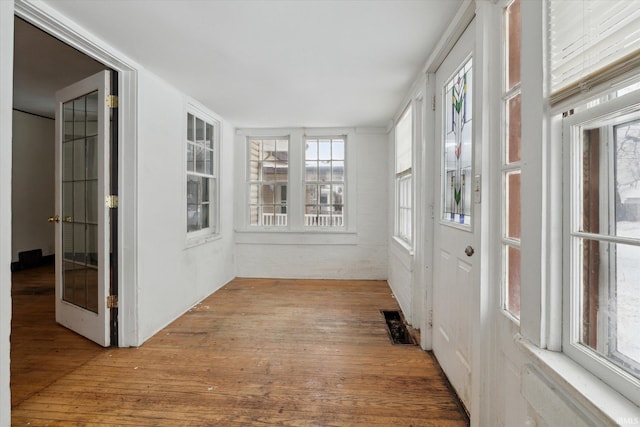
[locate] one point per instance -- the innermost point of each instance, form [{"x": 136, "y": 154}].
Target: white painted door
[
  {"x": 456, "y": 228},
  {"x": 82, "y": 220}
]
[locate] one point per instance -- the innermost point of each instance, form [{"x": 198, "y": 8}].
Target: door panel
[
  {"x": 82, "y": 238},
  {"x": 455, "y": 272}
]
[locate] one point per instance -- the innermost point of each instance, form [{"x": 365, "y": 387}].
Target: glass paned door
[
  {"x": 79, "y": 212},
  {"x": 82, "y": 242}
]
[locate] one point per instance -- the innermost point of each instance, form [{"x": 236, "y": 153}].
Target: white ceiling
[{"x": 277, "y": 63}]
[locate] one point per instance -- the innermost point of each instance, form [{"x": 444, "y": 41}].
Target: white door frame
[
  {"x": 6, "y": 121},
  {"x": 481, "y": 364},
  {"x": 49, "y": 20}
]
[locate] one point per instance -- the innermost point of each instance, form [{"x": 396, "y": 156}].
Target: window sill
[
  {"x": 401, "y": 244},
  {"x": 286, "y": 237},
  {"x": 202, "y": 239},
  {"x": 596, "y": 400}
]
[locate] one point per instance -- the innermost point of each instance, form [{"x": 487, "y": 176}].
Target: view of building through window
[
  {"x": 324, "y": 185},
  {"x": 268, "y": 181}
]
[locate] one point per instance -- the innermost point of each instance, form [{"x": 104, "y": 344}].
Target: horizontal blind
[
  {"x": 591, "y": 41},
  {"x": 404, "y": 142}
]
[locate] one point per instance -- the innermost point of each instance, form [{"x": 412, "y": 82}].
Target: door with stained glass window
[
  {"x": 456, "y": 241},
  {"x": 82, "y": 220}
]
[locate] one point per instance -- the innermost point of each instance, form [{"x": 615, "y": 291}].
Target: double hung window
[
  {"x": 318, "y": 163},
  {"x": 403, "y": 177},
  {"x": 202, "y": 174},
  {"x": 602, "y": 168},
  {"x": 594, "y": 49}
]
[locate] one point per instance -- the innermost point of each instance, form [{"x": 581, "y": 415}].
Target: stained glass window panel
[{"x": 458, "y": 147}]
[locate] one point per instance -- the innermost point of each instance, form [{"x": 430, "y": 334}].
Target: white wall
[
  {"x": 33, "y": 184},
  {"x": 173, "y": 274},
  {"x": 6, "y": 119},
  {"x": 359, "y": 253}
]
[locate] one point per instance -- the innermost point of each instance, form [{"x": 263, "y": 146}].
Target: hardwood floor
[{"x": 257, "y": 352}]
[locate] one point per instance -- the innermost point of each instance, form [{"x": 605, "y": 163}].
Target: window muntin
[
  {"x": 603, "y": 241},
  {"x": 268, "y": 181},
  {"x": 201, "y": 174},
  {"x": 403, "y": 178},
  {"x": 324, "y": 182},
  {"x": 511, "y": 165}
]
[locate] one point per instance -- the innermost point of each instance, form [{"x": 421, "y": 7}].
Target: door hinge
[
  {"x": 433, "y": 103},
  {"x": 112, "y": 101},
  {"x": 111, "y": 201},
  {"x": 112, "y": 301}
]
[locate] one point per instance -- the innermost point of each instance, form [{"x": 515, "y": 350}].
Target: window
[
  {"x": 324, "y": 182},
  {"x": 404, "y": 186},
  {"x": 268, "y": 181},
  {"x": 593, "y": 57},
  {"x": 511, "y": 147},
  {"x": 202, "y": 183},
  {"x": 603, "y": 240}
]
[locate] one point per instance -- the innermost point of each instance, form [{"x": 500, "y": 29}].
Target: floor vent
[{"x": 398, "y": 332}]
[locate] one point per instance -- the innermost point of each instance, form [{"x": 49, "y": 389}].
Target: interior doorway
[{"x": 42, "y": 65}]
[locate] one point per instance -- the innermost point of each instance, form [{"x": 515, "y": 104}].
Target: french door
[{"x": 82, "y": 218}]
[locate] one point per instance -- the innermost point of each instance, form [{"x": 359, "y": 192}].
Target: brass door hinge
[
  {"x": 111, "y": 201},
  {"x": 112, "y": 301},
  {"x": 112, "y": 101}
]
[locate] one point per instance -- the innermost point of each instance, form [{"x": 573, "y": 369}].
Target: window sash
[
  {"x": 324, "y": 192},
  {"x": 605, "y": 361},
  {"x": 511, "y": 160},
  {"x": 267, "y": 190}
]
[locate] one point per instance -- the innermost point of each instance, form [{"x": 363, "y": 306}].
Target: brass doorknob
[{"x": 54, "y": 218}]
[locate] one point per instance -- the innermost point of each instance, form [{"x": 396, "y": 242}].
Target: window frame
[
  {"x": 615, "y": 376},
  {"x": 213, "y": 229},
  {"x": 406, "y": 238}
]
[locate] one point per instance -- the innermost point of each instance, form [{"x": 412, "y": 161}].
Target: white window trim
[
  {"x": 296, "y": 232},
  {"x": 198, "y": 237}
]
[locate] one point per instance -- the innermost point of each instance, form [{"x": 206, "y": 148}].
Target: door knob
[
  {"x": 54, "y": 218},
  {"x": 469, "y": 250}
]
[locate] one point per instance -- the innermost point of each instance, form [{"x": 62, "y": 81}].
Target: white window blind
[
  {"x": 591, "y": 42},
  {"x": 404, "y": 142}
]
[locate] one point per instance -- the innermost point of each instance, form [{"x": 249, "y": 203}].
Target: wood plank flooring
[{"x": 259, "y": 352}]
